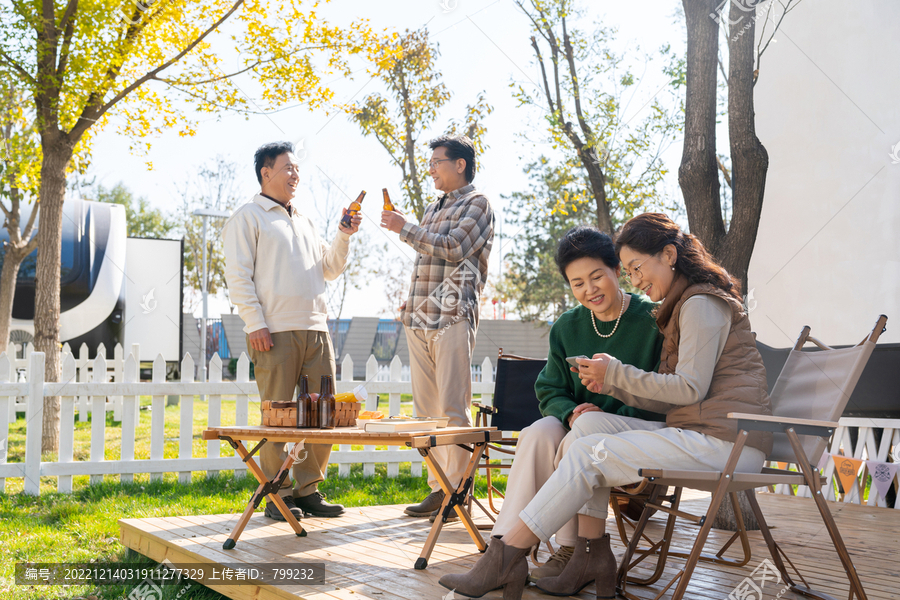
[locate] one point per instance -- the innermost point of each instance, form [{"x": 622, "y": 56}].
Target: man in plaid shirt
[{"x": 452, "y": 244}]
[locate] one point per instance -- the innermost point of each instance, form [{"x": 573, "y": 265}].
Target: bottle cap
[{"x": 361, "y": 394}]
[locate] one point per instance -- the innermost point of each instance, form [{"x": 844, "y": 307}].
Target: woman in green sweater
[{"x": 607, "y": 320}]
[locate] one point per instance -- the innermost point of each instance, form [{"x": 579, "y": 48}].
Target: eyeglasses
[
  {"x": 432, "y": 164},
  {"x": 637, "y": 271}
]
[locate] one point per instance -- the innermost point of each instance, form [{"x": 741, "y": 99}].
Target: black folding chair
[{"x": 515, "y": 407}]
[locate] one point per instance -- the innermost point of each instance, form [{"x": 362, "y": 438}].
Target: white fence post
[
  {"x": 393, "y": 468},
  {"x": 81, "y": 365},
  {"x": 66, "y": 424},
  {"x": 215, "y": 410},
  {"x": 158, "y": 416},
  {"x": 136, "y": 353},
  {"x": 7, "y": 404},
  {"x": 130, "y": 405},
  {"x": 98, "y": 412},
  {"x": 34, "y": 421},
  {"x": 118, "y": 364},
  {"x": 371, "y": 404},
  {"x": 242, "y": 402},
  {"x": 186, "y": 420},
  {"x": 346, "y": 375}
]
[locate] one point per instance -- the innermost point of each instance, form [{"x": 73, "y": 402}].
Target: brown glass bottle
[
  {"x": 304, "y": 406},
  {"x": 354, "y": 208},
  {"x": 388, "y": 205},
  {"x": 326, "y": 404}
]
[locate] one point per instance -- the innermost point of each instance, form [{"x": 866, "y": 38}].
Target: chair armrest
[
  {"x": 778, "y": 424},
  {"x": 485, "y": 409}
]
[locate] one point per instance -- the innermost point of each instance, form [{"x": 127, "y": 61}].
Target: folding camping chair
[
  {"x": 807, "y": 400},
  {"x": 514, "y": 408}
]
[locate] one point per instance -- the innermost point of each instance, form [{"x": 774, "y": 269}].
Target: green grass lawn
[{"x": 83, "y": 526}]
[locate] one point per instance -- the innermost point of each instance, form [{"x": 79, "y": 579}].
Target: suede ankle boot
[
  {"x": 501, "y": 566},
  {"x": 592, "y": 562}
]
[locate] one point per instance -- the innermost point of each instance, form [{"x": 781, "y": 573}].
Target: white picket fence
[
  {"x": 87, "y": 388},
  {"x": 83, "y": 373},
  {"x": 865, "y": 448}
]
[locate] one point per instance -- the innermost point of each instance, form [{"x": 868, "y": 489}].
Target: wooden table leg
[
  {"x": 468, "y": 480},
  {"x": 460, "y": 492},
  {"x": 266, "y": 488}
]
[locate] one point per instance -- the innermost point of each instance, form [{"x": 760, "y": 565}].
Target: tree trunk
[
  {"x": 749, "y": 159},
  {"x": 698, "y": 173},
  {"x": 597, "y": 179},
  {"x": 46, "y": 311},
  {"x": 11, "y": 262}
]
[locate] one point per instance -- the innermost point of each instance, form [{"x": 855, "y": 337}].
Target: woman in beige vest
[{"x": 709, "y": 367}]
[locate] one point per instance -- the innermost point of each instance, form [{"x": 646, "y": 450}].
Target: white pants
[
  {"x": 539, "y": 450},
  {"x": 583, "y": 478},
  {"x": 439, "y": 367}
]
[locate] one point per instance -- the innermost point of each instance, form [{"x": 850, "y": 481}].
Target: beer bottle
[
  {"x": 388, "y": 205},
  {"x": 326, "y": 404},
  {"x": 304, "y": 405},
  {"x": 354, "y": 208}
]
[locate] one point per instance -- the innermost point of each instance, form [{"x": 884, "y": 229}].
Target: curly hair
[{"x": 649, "y": 233}]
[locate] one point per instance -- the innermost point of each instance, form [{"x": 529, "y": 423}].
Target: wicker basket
[{"x": 284, "y": 414}]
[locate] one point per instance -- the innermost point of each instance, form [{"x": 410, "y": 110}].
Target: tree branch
[
  {"x": 576, "y": 90},
  {"x": 68, "y": 25},
  {"x": 93, "y": 114},
  {"x": 722, "y": 68},
  {"x": 724, "y": 171},
  {"x": 537, "y": 26},
  {"x": 6, "y": 58},
  {"x": 759, "y": 52},
  {"x": 29, "y": 227},
  {"x": 250, "y": 68},
  {"x": 540, "y": 58}
]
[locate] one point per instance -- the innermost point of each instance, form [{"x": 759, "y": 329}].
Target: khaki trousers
[
  {"x": 278, "y": 371},
  {"x": 539, "y": 450},
  {"x": 439, "y": 367},
  {"x": 582, "y": 481}
]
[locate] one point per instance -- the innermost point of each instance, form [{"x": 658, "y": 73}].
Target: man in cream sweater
[{"x": 276, "y": 266}]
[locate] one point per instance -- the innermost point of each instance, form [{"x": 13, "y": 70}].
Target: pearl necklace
[{"x": 621, "y": 311}]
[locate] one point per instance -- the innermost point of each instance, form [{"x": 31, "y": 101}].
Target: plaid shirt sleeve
[{"x": 473, "y": 230}]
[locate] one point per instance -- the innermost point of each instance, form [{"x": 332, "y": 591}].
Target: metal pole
[{"x": 205, "y": 285}]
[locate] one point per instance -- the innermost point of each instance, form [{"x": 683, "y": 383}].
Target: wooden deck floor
[{"x": 369, "y": 552}]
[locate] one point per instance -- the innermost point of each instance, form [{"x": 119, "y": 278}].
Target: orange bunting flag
[{"x": 846, "y": 469}]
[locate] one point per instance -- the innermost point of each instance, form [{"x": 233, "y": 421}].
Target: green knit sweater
[{"x": 637, "y": 342}]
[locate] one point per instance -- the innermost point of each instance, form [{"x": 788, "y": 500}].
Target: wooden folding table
[{"x": 472, "y": 439}]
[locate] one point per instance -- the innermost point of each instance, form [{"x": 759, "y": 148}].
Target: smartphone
[{"x": 571, "y": 359}]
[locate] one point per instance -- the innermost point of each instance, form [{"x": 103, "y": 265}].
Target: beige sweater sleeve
[
  {"x": 334, "y": 257},
  {"x": 705, "y": 322}
]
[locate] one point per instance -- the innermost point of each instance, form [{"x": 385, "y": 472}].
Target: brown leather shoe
[
  {"x": 427, "y": 506},
  {"x": 592, "y": 562},
  {"x": 501, "y": 566}
]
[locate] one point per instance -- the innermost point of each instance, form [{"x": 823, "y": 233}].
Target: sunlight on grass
[{"x": 83, "y": 526}]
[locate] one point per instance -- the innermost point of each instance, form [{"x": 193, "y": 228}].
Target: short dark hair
[
  {"x": 585, "y": 242},
  {"x": 267, "y": 154},
  {"x": 458, "y": 146}
]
